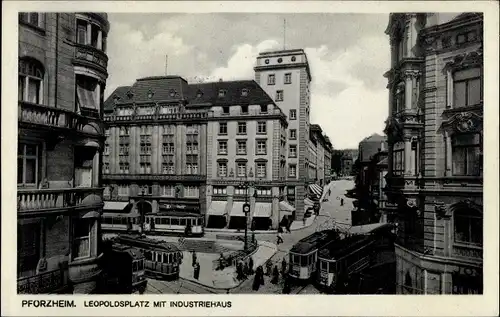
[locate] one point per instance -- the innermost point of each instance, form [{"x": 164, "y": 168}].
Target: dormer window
[
  {"x": 116, "y": 99},
  {"x": 199, "y": 94},
  {"x": 222, "y": 93},
  {"x": 244, "y": 92},
  {"x": 172, "y": 93},
  {"x": 130, "y": 94},
  {"x": 150, "y": 94}
]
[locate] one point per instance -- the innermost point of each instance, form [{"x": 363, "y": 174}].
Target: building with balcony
[
  {"x": 62, "y": 75},
  {"x": 155, "y": 156},
  {"x": 435, "y": 132},
  {"x": 246, "y": 148},
  {"x": 285, "y": 76}
]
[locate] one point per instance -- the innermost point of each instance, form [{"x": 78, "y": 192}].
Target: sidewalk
[{"x": 296, "y": 225}]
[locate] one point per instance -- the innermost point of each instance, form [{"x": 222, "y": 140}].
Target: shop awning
[
  {"x": 237, "y": 209},
  {"x": 316, "y": 190},
  {"x": 308, "y": 202},
  {"x": 217, "y": 208},
  {"x": 264, "y": 210},
  {"x": 286, "y": 209},
  {"x": 115, "y": 205}
]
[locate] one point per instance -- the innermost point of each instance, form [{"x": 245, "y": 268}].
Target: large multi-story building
[
  {"x": 286, "y": 77},
  {"x": 62, "y": 75},
  {"x": 328, "y": 160},
  {"x": 435, "y": 132},
  {"x": 246, "y": 147},
  {"x": 155, "y": 155},
  {"x": 323, "y": 155}
]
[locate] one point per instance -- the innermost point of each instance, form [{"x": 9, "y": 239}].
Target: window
[
  {"x": 90, "y": 34},
  {"x": 222, "y": 93},
  {"x": 263, "y": 191},
  {"x": 106, "y": 168},
  {"x": 271, "y": 79},
  {"x": 225, "y": 110},
  {"x": 288, "y": 78},
  {"x": 468, "y": 226},
  {"x": 81, "y": 238},
  {"x": 242, "y": 169},
  {"x": 261, "y": 169},
  {"x": 168, "y": 148},
  {"x": 31, "y": 74},
  {"x": 146, "y": 190},
  {"x": 240, "y": 191},
  {"x": 461, "y": 38},
  {"x": 293, "y": 134},
  {"x": 33, "y": 18},
  {"x": 292, "y": 170},
  {"x": 279, "y": 95},
  {"x": 106, "y": 191},
  {"x": 244, "y": 92},
  {"x": 124, "y": 168},
  {"x": 223, "y": 128},
  {"x": 192, "y": 168},
  {"x": 293, "y": 114},
  {"x": 28, "y": 246},
  {"x": 88, "y": 94},
  {"x": 222, "y": 148},
  {"x": 242, "y": 147},
  {"x": 191, "y": 191},
  {"x": 124, "y": 131},
  {"x": 261, "y": 147},
  {"x": 222, "y": 169},
  {"x": 263, "y": 108},
  {"x": 292, "y": 150},
  {"x": 81, "y": 34},
  {"x": 27, "y": 164},
  {"x": 399, "y": 98},
  {"x": 220, "y": 190},
  {"x": 123, "y": 190},
  {"x": 467, "y": 87},
  {"x": 398, "y": 162},
  {"x": 168, "y": 168},
  {"x": 145, "y": 168},
  {"x": 261, "y": 127},
  {"x": 244, "y": 109},
  {"x": 242, "y": 128},
  {"x": 466, "y": 154}
]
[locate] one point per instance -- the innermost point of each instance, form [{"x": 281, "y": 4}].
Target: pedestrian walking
[
  {"x": 196, "y": 271},
  {"x": 283, "y": 267},
  {"x": 287, "y": 287},
  {"x": 280, "y": 239},
  {"x": 246, "y": 269},
  {"x": 239, "y": 271},
  {"x": 269, "y": 268},
  {"x": 288, "y": 223},
  {"x": 304, "y": 221},
  {"x": 250, "y": 265},
  {"x": 341, "y": 201},
  {"x": 187, "y": 230},
  {"x": 276, "y": 275},
  {"x": 194, "y": 258}
]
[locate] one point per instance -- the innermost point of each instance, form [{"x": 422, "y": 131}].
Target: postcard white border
[{"x": 252, "y": 305}]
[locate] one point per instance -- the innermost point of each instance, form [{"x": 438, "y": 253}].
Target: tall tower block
[{"x": 286, "y": 77}]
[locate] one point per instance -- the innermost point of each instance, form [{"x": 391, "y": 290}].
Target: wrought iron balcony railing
[{"x": 43, "y": 283}]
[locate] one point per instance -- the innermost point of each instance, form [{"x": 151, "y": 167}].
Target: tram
[
  {"x": 174, "y": 222},
  {"x": 124, "y": 269},
  {"x": 162, "y": 259},
  {"x": 304, "y": 254},
  {"x": 119, "y": 222},
  {"x": 342, "y": 258}
]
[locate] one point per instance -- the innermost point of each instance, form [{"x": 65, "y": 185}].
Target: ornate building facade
[
  {"x": 155, "y": 153},
  {"x": 435, "y": 132},
  {"x": 246, "y": 149},
  {"x": 286, "y": 77},
  {"x": 62, "y": 76}
]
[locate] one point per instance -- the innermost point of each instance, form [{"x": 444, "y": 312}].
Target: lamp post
[{"x": 246, "y": 184}]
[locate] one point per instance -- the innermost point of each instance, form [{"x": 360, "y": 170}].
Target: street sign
[{"x": 246, "y": 208}]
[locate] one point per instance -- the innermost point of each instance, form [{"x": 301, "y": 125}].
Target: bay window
[
  {"x": 398, "y": 162},
  {"x": 81, "y": 238},
  {"x": 28, "y": 158},
  {"x": 90, "y": 34},
  {"x": 466, "y": 154},
  {"x": 88, "y": 95},
  {"x": 467, "y": 87},
  {"x": 31, "y": 73}
]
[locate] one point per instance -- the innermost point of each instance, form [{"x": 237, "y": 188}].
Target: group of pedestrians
[{"x": 244, "y": 269}]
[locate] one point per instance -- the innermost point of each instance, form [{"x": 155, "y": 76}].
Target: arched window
[
  {"x": 31, "y": 73},
  {"x": 468, "y": 226}
]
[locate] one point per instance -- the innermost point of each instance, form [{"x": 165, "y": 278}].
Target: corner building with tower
[{"x": 62, "y": 76}]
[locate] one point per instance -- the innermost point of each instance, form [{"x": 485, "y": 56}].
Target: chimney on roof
[{"x": 220, "y": 80}]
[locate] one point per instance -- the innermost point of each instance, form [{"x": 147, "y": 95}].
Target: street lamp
[{"x": 246, "y": 184}]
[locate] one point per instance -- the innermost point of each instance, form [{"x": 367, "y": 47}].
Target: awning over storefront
[
  {"x": 217, "y": 208},
  {"x": 263, "y": 210},
  {"x": 286, "y": 209},
  {"x": 237, "y": 209},
  {"x": 316, "y": 190},
  {"x": 116, "y": 205},
  {"x": 308, "y": 202}
]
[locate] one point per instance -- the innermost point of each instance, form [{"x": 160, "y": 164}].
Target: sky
[{"x": 348, "y": 55}]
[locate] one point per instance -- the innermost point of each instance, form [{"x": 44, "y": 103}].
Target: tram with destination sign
[
  {"x": 304, "y": 254},
  {"x": 162, "y": 259}
]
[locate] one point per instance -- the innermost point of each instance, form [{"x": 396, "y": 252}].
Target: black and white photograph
[{"x": 258, "y": 153}]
